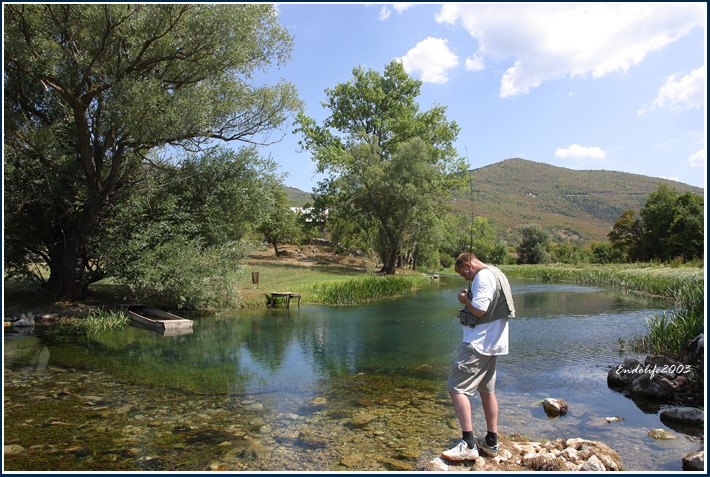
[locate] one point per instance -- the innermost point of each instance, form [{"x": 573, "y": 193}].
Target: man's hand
[{"x": 463, "y": 296}]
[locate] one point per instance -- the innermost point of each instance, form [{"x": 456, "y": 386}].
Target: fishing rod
[{"x": 470, "y": 182}]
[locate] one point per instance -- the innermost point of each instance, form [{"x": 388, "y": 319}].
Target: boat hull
[{"x": 158, "y": 320}]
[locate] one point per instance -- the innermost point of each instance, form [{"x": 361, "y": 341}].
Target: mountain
[
  {"x": 581, "y": 206},
  {"x": 296, "y": 197},
  {"x": 578, "y": 205}
]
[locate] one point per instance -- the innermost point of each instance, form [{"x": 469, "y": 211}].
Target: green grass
[
  {"x": 90, "y": 322},
  {"x": 366, "y": 288},
  {"x": 288, "y": 277}
]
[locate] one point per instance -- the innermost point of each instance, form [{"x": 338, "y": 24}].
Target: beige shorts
[{"x": 472, "y": 372}]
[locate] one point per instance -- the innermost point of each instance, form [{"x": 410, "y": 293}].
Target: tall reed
[
  {"x": 647, "y": 278},
  {"x": 366, "y": 288},
  {"x": 90, "y": 322},
  {"x": 669, "y": 332}
]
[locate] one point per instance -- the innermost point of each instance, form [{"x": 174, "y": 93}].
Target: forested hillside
[{"x": 578, "y": 205}]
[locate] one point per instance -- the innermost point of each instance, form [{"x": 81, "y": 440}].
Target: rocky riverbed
[{"x": 65, "y": 419}]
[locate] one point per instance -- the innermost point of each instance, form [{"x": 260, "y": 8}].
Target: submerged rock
[
  {"x": 661, "y": 435},
  {"x": 554, "y": 407},
  {"x": 13, "y": 449}
]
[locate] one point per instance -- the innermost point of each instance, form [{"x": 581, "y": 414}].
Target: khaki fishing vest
[{"x": 501, "y": 305}]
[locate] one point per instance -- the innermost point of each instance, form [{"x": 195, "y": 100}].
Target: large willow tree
[
  {"x": 91, "y": 91},
  {"x": 390, "y": 167}
]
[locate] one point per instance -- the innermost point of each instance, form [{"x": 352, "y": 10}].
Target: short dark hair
[{"x": 463, "y": 258}]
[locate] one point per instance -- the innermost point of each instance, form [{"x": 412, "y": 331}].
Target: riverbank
[
  {"x": 297, "y": 269},
  {"x": 348, "y": 416}
]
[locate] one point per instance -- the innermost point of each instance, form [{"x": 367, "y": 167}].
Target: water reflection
[{"x": 563, "y": 340}]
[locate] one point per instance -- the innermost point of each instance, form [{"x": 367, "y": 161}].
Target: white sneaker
[{"x": 461, "y": 452}]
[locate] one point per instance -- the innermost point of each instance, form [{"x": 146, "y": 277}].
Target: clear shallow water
[{"x": 323, "y": 388}]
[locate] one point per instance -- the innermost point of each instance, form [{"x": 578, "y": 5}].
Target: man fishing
[{"x": 488, "y": 304}]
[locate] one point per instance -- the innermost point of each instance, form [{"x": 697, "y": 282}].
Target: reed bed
[
  {"x": 656, "y": 280},
  {"x": 668, "y": 332},
  {"x": 365, "y": 288},
  {"x": 90, "y": 322}
]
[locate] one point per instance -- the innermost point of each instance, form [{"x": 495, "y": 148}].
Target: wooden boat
[{"x": 158, "y": 320}]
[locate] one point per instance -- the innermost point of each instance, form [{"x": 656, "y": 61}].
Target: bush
[
  {"x": 182, "y": 274},
  {"x": 446, "y": 260}
]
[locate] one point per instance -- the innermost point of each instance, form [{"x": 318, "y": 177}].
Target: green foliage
[
  {"x": 361, "y": 289},
  {"x": 603, "y": 252},
  {"x": 181, "y": 238},
  {"x": 92, "y": 89},
  {"x": 534, "y": 245},
  {"x": 627, "y": 236},
  {"x": 567, "y": 253},
  {"x": 669, "y": 226},
  {"x": 477, "y": 236},
  {"x": 390, "y": 167},
  {"x": 281, "y": 224}
]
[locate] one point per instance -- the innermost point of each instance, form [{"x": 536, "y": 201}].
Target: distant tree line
[{"x": 668, "y": 227}]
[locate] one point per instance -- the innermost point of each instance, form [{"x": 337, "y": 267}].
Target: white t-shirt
[{"x": 490, "y": 339}]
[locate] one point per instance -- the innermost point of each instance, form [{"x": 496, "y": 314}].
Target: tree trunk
[
  {"x": 390, "y": 261},
  {"x": 415, "y": 254},
  {"x": 67, "y": 271},
  {"x": 276, "y": 248}
]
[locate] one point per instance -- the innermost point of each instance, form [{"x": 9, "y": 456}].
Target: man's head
[{"x": 464, "y": 265}]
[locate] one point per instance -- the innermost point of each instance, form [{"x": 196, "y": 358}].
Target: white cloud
[
  {"x": 475, "y": 63},
  {"x": 555, "y": 40},
  {"x": 432, "y": 58},
  {"x": 697, "y": 159},
  {"x": 674, "y": 178},
  {"x": 385, "y": 12},
  {"x": 575, "y": 151},
  {"x": 687, "y": 92}
]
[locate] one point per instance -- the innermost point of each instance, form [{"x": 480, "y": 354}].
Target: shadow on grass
[{"x": 22, "y": 297}]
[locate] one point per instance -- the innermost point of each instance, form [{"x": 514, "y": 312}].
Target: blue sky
[{"x": 608, "y": 86}]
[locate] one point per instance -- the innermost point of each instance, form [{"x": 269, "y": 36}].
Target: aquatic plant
[
  {"x": 366, "y": 288},
  {"x": 669, "y": 332},
  {"x": 90, "y": 322}
]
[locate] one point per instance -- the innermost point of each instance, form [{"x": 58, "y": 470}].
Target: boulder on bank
[
  {"x": 694, "y": 353},
  {"x": 694, "y": 461},
  {"x": 689, "y": 416},
  {"x": 661, "y": 379}
]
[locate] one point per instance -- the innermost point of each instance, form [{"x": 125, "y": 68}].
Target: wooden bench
[{"x": 288, "y": 295}]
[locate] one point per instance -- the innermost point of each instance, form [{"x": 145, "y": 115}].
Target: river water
[{"x": 321, "y": 388}]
